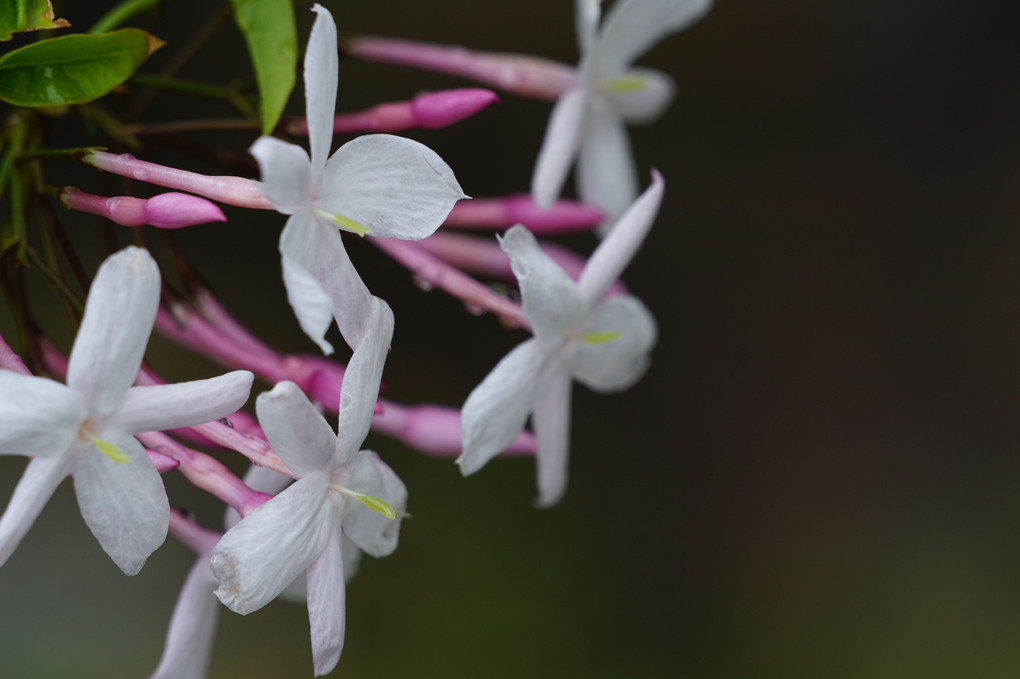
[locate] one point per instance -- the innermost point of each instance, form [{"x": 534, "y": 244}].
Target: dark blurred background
[{"x": 818, "y": 477}]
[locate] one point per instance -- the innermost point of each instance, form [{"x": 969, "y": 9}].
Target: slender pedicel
[
  {"x": 225, "y": 189},
  {"x": 565, "y": 216},
  {"x": 524, "y": 75}
]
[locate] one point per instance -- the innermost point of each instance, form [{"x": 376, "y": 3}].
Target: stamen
[
  {"x": 346, "y": 223},
  {"x": 373, "y": 503},
  {"x": 600, "y": 337},
  {"x": 110, "y": 450},
  {"x": 627, "y": 84}
]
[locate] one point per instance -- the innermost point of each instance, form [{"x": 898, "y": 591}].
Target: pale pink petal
[
  {"x": 37, "y": 416},
  {"x": 119, "y": 314},
  {"x": 322, "y": 283},
  {"x": 551, "y": 421},
  {"x": 367, "y": 528},
  {"x": 321, "y": 73},
  {"x": 326, "y": 613},
  {"x": 496, "y": 410},
  {"x": 610, "y": 364},
  {"x": 41, "y": 478},
  {"x": 606, "y": 176},
  {"x": 286, "y": 173},
  {"x": 559, "y": 147},
  {"x": 270, "y": 547},
  {"x": 123, "y": 503},
  {"x": 631, "y": 27},
  {"x": 394, "y": 187},
  {"x": 298, "y": 432},
  {"x": 360, "y": 387},
  {"x": 168, "y": 406},
  {"x": 616, "y": 250},
  {"x": 586, "y": 23},
  {"x": 189, "y": 638},
  {"x": 551, "y": 299}
]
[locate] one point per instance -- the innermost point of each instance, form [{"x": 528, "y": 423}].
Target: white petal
[
  {"x": 168, "y": 406},
  {"x": 395, "y": 187},
  {"x": 646, "y": 97},
  {"x": 298, "y": 432},
  {"x": 551, "y": 421},
  {"x": 586, "y": 23},
  {"x": 41, "y": 478},
  {"x": 192, "y": 630},
  {"x": 616, "y": 365},
  {"x": 123, "y": 503},
  {"x": 270, "y": 547},
  {"x": 352, "y": 557},
  {"x": 322, "y": 283},
  {"x": 631, "y": 28},
  {"x": 37, "y": 416},
  {"x": 360, "y": 387},
  {"x": 551, "y": 299},
  {"x": 605, "y": 172},
  {"x": 119, "y": 313},
  {"x": 321, "y": 74},
  {"x": 616, "y": 250},
  {"x": 326, "y": 615},
  {"x": 286, "y": 174},
  {"x": 367, "y": 528},
  {"x": 495, "y": 412},
  {"x": 559, "y": 146}
]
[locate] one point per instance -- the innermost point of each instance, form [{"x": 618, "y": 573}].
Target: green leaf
[
  {"x": 73, "y": 69},
  {"x": 18, "y": 16},
  {"x": 268, "y": 28}
]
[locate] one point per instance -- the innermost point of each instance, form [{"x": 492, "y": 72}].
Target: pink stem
[
  {"x": 485, "y": 256},
  {"x": 255, "y": 449},
  {"x": 524, "y": 75},
  {"x": 436, "y": 273},
  {"x": 187, "y": 530},
  {"x": 436, "y": 430},
  {"x": 564, "y": 216},
  {"x": 230, "y": 190},
  {"x": 207, "y": 473}
]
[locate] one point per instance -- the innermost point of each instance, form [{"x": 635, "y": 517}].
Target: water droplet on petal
[
  {"x": 140, "y": 174},
  {"x": 421, "y": 283},
  {"x": 473, "y": 309}
]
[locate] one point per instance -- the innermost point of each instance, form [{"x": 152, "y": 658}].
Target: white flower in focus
[
  {"x": 378, "y": 185},
  {"x": 601, "y": 343},
  {"x": 340, "y": 491},
  {"x": 87, "y": 427},
  {"x": 588, "y": 121}
]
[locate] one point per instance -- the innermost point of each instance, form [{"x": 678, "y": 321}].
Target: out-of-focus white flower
[{"x": 588, "y": 121}]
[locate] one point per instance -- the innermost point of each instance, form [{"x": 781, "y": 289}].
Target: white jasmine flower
[
  {"x": 86, "y": 428},
  {"x": 339, "y": 491},
  {"x": 378, "y": 185},
  {"x": 588, "y": 121},
  {"x": 601, "y": 343}
]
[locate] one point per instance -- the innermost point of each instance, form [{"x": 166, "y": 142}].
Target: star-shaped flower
[
  {"x": 380, "y": 185},
  {"x": 588, "y": 121},
  {"x": 339, "y": 491},
  {"x": 601, "y": 343},
  {"x": 86, "y": 428}
]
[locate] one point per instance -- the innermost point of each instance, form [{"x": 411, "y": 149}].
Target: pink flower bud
[
  {"x": 440, "y": 109},
  {"x": 166, "y": 211},
  {"x": 564, "y": 216},
  {"x": 174, "y": 210}
]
